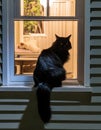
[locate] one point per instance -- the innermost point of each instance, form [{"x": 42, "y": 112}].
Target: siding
[{"x": 18, "y": 110}]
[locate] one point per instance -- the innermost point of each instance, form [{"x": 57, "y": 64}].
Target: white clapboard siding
[
  {"x": 12, "y": 107},
  {"x": 96, "y": 90},
  {"x": 96, "y": 99},
  {"x": 73, "y": 126},
  {"x": 18, "y": 110},
  {"x": 81, "y": 108},
  {"x": 76, "y": 117}
]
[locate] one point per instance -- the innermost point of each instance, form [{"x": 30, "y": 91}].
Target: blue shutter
[{"x": 95, "y": 42}]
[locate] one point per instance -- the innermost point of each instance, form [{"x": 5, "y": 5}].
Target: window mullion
[
  {"x": 44, "y": 18},
  {"x": 47, "y": 7}
]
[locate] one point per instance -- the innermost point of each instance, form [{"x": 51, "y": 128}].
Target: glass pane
[
  {"x": 28, "y": 47},
  {"x": 34, "y": 27},
  {"x": 33, "y": 7},
  {"x": 62, "y": 7}
]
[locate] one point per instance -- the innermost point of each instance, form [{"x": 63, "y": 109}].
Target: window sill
[
  {"x": 64, "y": 88},
  {"x": 73, "y": 93},
  {"x": 72, "y": 88},
  {"x": 16, "y": 88},
  {"x": 69, "y": 93}
]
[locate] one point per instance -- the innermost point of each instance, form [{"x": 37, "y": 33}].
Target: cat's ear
[
  {"x": 69, "y": 36},
  {"x": 56, "y": 36}
]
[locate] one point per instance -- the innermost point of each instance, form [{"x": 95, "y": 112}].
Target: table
[{"x": 24, "y": 62}]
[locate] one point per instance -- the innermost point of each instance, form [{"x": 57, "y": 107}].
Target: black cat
[{"x": 49, "y": 73}]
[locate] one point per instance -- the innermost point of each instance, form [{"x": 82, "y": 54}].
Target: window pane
[
  {"x": 62, "y": 7},
  {"x": 28, "y": 46},
  {"x": 48, "y": 7},
  {"x": 33, "y": 7},
  {"x": 34, "y": 27}
]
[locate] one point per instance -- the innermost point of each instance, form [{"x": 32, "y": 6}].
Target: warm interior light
[
  {"x": 43, "y": 2},
  {"x": 22, "y": 7},
  {"x": 32, "y": 32}
]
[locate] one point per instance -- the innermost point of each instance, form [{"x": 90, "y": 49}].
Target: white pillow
[{"x": 30, "y": 45}]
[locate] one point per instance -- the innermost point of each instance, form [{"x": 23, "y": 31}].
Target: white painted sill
[
  {"x": 67, "y": 86},
  {"x": 66, "y": 93},
  {"x": 64, "y": 88}
]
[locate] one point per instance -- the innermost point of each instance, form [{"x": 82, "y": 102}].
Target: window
[{"x": 32, "y": 25}]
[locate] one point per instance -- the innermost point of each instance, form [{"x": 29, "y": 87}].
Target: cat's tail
[{"x": 43, "y": 99}]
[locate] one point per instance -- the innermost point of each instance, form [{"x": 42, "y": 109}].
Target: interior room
[{"x": 34, "y": 35}]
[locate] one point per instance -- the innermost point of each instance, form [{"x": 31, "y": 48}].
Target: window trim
[
  {"x": 87, "y": 44},
  {"x": 6, "y": 55}
]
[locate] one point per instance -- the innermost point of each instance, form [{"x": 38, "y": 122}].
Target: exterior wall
[
  {"x": 18, "y": 110},
  {"x": 66, "y": 114},
  {"x": 74, "y": 115}
]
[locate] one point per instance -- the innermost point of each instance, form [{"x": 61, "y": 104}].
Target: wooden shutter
[{"x": 95, "y": 36}]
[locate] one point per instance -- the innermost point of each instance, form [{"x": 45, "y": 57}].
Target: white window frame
[{"x": 8, "y": 38}]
